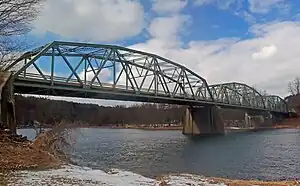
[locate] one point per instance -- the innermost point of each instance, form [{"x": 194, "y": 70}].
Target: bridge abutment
[
  {"x": 7, "y": 111},
  {"x": 206, "y": 120}
]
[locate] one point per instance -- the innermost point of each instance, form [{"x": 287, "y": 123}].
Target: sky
[{"x": 255, "y": 42}]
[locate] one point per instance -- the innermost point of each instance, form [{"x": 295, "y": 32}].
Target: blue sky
[
  {"x": 257, "y": 40},
  {"x": 209, "y": 21}
]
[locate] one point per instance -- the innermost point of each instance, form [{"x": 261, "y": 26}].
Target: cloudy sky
[{"x": 256, "y": 42}]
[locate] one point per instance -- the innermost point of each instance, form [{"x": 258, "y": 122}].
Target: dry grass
[
  {"x": 54, "y": 141},
  {"x": 25, "y": 156},
  {"x": 47, "y": 151},
  {"x": 163, "y": 181}
]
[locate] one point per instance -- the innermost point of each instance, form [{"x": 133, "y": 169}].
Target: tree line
[{"x": 49, "y": 112}]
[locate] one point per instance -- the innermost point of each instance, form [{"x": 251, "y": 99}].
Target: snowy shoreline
[{"x": 75, "y": 175}]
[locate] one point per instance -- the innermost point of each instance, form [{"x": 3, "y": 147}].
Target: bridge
[{"x": 118, "y": 73}]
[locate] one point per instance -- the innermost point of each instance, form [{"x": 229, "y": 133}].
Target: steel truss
[
  {"x": 243, "y": 95},
  {"x": 113, "y": 71}
]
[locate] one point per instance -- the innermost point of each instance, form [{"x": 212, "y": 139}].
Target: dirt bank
[
  {"x": 164, "y": 181},
  {"x": 289, "y": 123},
  {"x": 16, "y": 155},
  {"x": 248, "y": 183}
]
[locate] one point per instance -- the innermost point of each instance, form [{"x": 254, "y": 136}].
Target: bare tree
[
  {"x": 294, "y": 86},
  {"x": 263, "y": 92},
  {"x": 260, "y": 91},
  {"x": 15, "y": 19}
]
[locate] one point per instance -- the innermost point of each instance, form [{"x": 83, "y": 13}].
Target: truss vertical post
[
  {"x": 114, "y": 73},
  {"x": 25, "y": 62},
  {"x": 52, "y": 65},
  {"x": 155, "y": 78},
  {"x": 85, "y": 69},
  {"x": 126, "y": 72}
]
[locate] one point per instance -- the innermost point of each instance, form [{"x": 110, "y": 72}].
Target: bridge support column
[
  {"x": 7, "y": 111},
  {"x": 202, "y": 121},
  {"x": 254, "y": 120},
  {"x": 275, "y": 118},
  {"x": 262, "y": 120}
]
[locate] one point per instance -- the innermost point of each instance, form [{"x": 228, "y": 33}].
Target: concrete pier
[
  {"x": 262, "y": 119},
  {"x": 206, "y": 120},
  {"x": 7, "y": 111}
]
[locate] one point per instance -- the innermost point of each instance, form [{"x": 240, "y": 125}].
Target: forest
[{"x": 48, "y": 112}]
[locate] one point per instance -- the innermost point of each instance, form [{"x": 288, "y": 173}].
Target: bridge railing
[{"x": 74, "y": 82}]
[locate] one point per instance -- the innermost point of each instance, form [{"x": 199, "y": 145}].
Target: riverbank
[
  {"x": 229, "y": 182},
  {"x": 93, "y": 173},
  {"x": 25, "y": 155},
  {"x": 18, "y": 153},
  {"x": 74, "y": 175},
  {"x": 128, "y": 126},
  {"x": 288, "y": 124},
  {"x": 165, "y": 180},
  {"x": 150, "y": 128}
]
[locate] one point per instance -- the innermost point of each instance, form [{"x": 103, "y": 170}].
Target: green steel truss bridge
[{"x": 119, "y": 73}]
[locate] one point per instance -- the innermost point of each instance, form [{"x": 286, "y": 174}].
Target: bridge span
[{"x": 112, "y": 72}]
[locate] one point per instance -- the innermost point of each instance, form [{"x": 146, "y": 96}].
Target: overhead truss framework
[
  {"x": 94, "y": 69},
  {"x": 241, "y": 94}
]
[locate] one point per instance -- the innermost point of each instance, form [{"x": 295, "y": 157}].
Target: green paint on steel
[{"x": 187, "y": 85}]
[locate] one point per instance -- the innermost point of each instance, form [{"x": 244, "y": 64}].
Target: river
[{"x": 263, "y": 155}]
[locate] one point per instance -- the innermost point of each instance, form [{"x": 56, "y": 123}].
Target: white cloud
[
  {"x": 231, "y": 59},
  {"x": 247, "y": 16},
  {"x": 96, "y": 20},
  {"x": 228, "y": 59},
  {"x": 168, "y": 28},
  {"x": 220, "y": 3},
  {"x": 169, "y": 6},
  {"x": 103, "y": 75},
  {"x": 264, "y": 6},
  {"x": 265, "y": 52}
]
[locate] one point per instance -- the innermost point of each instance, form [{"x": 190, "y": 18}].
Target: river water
[{"x": 138, "y": 156}]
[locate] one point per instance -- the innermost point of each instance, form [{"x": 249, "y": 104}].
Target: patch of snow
[{"x": 73, "y": 175}]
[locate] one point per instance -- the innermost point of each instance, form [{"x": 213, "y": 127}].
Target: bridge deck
[{"x": 110, "y": 92}]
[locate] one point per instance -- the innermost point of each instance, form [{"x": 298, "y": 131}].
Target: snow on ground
[{"x": 73, "y": 175}]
